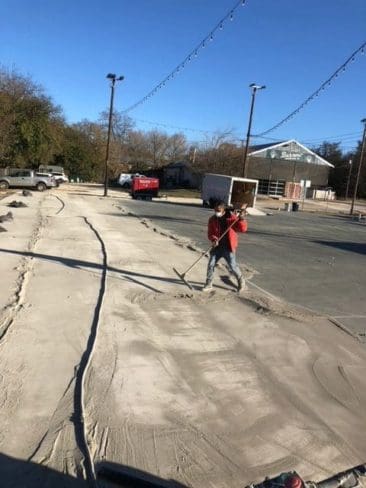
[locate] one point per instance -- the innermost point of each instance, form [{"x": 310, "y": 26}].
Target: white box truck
[{"x": 232, "y": 190}]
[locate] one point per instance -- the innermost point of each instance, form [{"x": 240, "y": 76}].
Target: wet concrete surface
[{"x": 312, "y": 260}]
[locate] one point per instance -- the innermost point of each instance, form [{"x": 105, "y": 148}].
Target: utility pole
[
  {"x": 194, "y": 156},
  {"x": 254, "y": 88},
  {"x": 363, "y": 121},
  {"x": 349, "y": 177},
  {"x": 113, "y": 78}
]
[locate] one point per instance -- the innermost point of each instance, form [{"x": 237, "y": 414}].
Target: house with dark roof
[
  {"x": 278, "y": 164},
  {"x": 180, "y": 173}
]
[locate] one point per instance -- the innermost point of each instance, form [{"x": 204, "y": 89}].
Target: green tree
[
  {"x": 82, "y": 154},
  {"x": 31, "y": 125},
  {"x": 332, "y": 153}
]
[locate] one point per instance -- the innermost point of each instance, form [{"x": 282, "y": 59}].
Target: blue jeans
[{"x": 215, "y": 256}]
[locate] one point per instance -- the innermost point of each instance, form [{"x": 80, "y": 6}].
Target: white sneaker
[
  {"x": 207, "y": 287},
  {"x": 241, "y": 284}
]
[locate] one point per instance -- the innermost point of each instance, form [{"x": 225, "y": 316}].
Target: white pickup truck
[{"x": 26, "y": 178}]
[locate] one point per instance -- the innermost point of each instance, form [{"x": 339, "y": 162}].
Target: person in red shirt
[{"x": 224, "y": 247}]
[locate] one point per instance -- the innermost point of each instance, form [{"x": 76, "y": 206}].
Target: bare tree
[
  {"x": 177, "y": 147},
  {"x": 157, "y": 144}
]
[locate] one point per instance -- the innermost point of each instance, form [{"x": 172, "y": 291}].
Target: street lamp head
[
  {"x": 363, "y": 121},
  {"x": 254, "y": 86},
  {"x": 113, "y": 77}
]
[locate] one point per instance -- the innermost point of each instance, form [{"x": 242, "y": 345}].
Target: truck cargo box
[
  {"x": 232, "y": 190},
  {"x": 144, "y": 188}
]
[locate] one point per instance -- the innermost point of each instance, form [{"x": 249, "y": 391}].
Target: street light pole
[
  {"x": 254, "y": 88},
  {"x": 113, "y": 79},
  {"x": 363, "y": 121},
  {"x": 349, "y": 177}
]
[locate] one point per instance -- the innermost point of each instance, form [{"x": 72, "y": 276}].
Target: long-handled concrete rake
[{"x": 182, "y": 276}]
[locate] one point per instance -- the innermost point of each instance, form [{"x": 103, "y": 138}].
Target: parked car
[
  {"x": 60, "y": 177},
  {"x": 46, "y": 175},
  {"x": 56, "y": 171},
  {"x": 125, "y": 179},
  {"x": 27, "y": 178}
]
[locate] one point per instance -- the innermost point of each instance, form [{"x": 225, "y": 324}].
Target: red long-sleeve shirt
[{"x": 214, "y": 230}]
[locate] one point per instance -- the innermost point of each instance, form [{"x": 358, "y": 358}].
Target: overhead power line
[
  {"x": 177, "y": 127},
  {"x": 169, "y": 126},
  {"x": 190, "y": 56},
  {"x": 323, "y": 86},
  {"x": 346, "y": 138},
  {"x": 347, "y": 135}
]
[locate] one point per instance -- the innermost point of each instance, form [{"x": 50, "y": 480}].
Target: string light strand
[
  {"x": 316, "y": 93},
  {"x": 190, "y": 56}
]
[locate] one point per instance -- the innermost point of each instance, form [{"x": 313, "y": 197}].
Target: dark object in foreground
[
  {"x": 27, "y": 193},
  {"x": 15, "y": 204},
  {"x": 6, "y": 217},
  {"x": 346, "y": 479},
  {"x": 129, "y": 477},
  {"x": 2, "y": 229}
]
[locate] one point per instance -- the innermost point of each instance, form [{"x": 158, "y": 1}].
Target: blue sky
[{"x": 289, "y": 45}]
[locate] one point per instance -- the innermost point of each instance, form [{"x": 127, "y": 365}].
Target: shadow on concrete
[
  {"x": 129, "y": 477},
  {"x": 126, "y": 274},
  {"x": 16, "y": 473},
  {"x": 357, "y": 247}
]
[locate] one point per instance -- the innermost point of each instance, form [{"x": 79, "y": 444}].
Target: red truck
[{"x": 144, "y": 188}]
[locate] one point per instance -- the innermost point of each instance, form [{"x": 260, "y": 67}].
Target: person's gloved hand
[{"x": 241, "y": 213}]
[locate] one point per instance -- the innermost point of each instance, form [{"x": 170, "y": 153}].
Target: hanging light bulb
[
  {"x": 243, "y": 3},
  {"x": 195, "y": 54},
  {"x": 231, "y": 15},
  {"x": 211, "y": 37},
  {"x": 221, "y": 25},
  {"x": 203, "y": 44},
  {"x": 352, "y": 59},
  {"x": 363, "y": 50}
]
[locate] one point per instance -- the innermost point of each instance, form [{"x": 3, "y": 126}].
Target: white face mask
[{"x": 219, "y": 214}]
